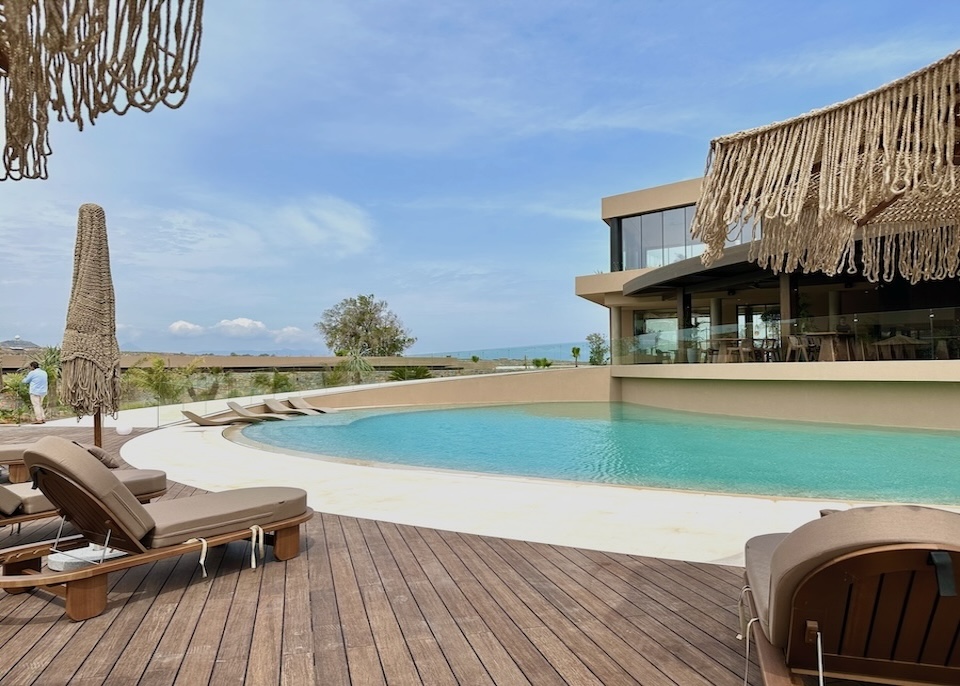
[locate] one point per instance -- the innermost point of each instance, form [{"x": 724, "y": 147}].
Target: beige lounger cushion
[
  {"x": 757, "y": 555},
  {"x": 142, "y": 481},
  {"x": 84, "y": 468},
  {"x": 787, "y": 561},
  {"x": 32, "y": 500},
  {"x": 10, "y": 501},
  {"x": 209, "y": 514},
  {"x": 106, "y": 458},
  {"x": 13, "y": 452}
]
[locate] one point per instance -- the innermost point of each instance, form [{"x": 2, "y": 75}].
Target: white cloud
[
  {"x": 241, "y": 327},
  {"x": 292, "y": 334},
  {"x": 326, "y": 221},
  {"x": 183, "y": 328},
  {"x": 897, "y": 56}
]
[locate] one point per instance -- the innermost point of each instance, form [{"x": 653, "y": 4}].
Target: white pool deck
[{"x": 658, "y": 523}]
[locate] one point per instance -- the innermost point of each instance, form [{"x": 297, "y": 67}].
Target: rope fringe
[
  {"x": 880, "y": 167},
  {"x": 256, "y": 544},
  {"x": 203, "y": 553},
  {"x": 74, "y": 59}
]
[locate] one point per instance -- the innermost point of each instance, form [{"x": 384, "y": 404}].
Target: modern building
[{"x": 667, "y": 307}]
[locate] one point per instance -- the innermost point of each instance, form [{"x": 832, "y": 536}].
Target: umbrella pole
[{"x": 97, "y": 430}]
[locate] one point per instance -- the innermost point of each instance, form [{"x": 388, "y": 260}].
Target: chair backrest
[
  {"x": 890, "y": 613},
  {"x": 195, "y": 418},
  {"x": 821, "y": 541},
  {"x": 87, "y": 493},
  {"x": 240, "y": 409}
]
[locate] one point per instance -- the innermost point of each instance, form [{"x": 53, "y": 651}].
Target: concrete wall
[
  {"x": 919, "y": 394},
  {"x": 546, "y": 385},
  {"x": 900, "y": 394},
  {"x": 651, "y": 199}
]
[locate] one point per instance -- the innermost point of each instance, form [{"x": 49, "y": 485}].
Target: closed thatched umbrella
[{"x": 90, "y": 357}]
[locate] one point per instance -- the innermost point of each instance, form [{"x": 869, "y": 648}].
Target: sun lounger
[
  {"x": 22, "y": 502},
  {"x": 250, "y": 414},
  {"x": 224, "y": 421},
  {"x": 11, "y": 456},
  {"x": 279, "y": 408},
  {"x": 105, "y": 513},
  {"x": 304, "y": 404},
  {"x": 875, "y": 587}
]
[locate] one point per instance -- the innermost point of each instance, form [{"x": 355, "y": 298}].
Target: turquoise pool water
[{"x": 627, "y": 444}]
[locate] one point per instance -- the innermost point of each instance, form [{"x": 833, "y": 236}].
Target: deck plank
[
  {"x": 201, "y": 654},
  {"x": 297, "y": 655},
  {"x": 171, "y": 649},
  {"x": 374, "y": 602},
  {"x": 328, "y": 641}
]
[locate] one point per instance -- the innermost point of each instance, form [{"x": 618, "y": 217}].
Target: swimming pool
[{"x": 628, "y": 444}]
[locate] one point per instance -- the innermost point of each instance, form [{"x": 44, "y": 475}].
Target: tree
[
  {"x": 355, "y": 366},
  {"x": 14, "y": 387},
  {"x": 598, "y": 348},
  {"x": 364, "y": 326},
  {"x": 575, "y": 351},
  {"x": 275, "y": 382},
  {"x": 209, "y": 381},
  {"x": 166, "y": 385}
]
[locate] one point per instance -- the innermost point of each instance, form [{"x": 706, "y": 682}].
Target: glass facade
[{"x": 659, "y": 238}]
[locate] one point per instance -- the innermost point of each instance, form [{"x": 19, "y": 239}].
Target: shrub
[
  {"x": 598, "y": 348},
  {"x": 408, "y": 373}
]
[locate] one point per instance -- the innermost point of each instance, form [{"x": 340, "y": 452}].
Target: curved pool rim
[{"x": 237, "y": 435}]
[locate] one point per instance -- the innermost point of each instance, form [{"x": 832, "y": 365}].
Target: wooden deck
[{"x": 370, "y": 602}]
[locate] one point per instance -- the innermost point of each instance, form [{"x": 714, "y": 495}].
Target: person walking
[{"x": 37, "y": 379}]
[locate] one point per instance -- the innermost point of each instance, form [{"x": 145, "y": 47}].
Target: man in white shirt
[{"x": 37, "y": 379}]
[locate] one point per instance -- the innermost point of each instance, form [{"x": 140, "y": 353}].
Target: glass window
[
  {"x": 657, "y": 238},
  {"x": 674, "y": 235},
  {"x": 694, "y": 247},
  {"x": 651, "y": 239},
  {"x": 630, "y": 227}
]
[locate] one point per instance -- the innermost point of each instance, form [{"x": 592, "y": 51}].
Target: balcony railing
[{"x": 928, "y": 334}]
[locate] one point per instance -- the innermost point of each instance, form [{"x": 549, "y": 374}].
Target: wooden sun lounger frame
[
  {"x": 878, "y": 610},
  {"x": 85, "y": 590},
  {"x": 16, "y": 470}
]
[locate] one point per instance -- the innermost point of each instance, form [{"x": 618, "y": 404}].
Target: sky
[{"x": 446, "y": 157}]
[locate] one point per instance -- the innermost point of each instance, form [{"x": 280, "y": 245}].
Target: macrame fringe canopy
[
  {"x": 882, "y": 168},
  {"x": 82, "y": 58},
  {"x": 89, "y": 355}
]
